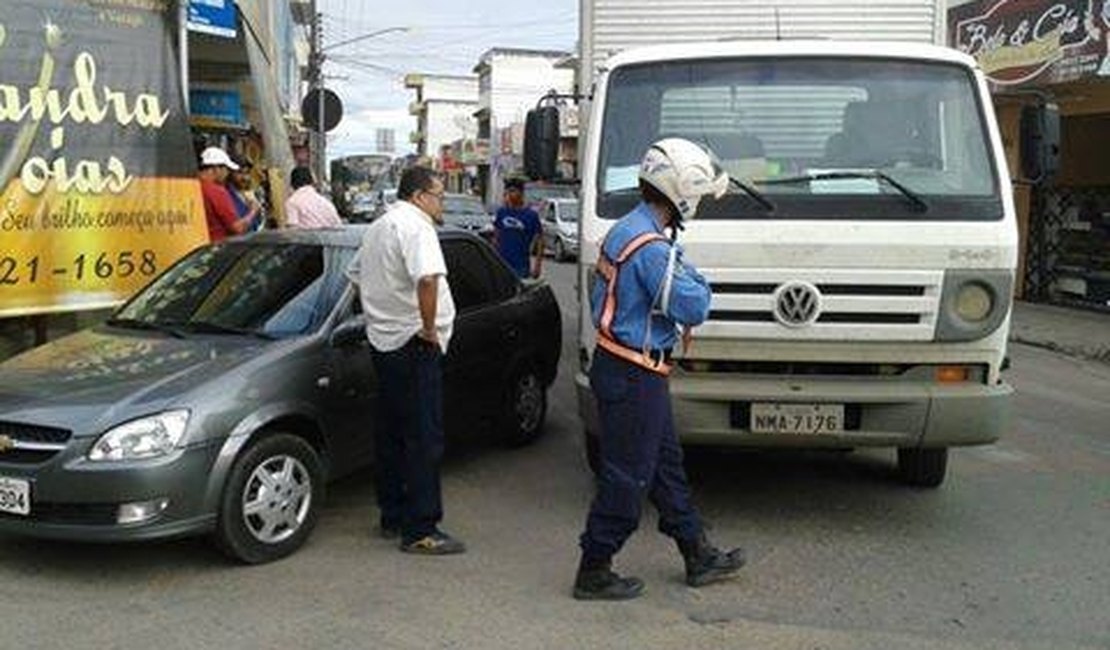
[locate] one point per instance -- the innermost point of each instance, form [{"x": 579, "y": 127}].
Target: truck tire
[
  {"x": 922, "y": 467},
  {"x": 271, "y": 500}
]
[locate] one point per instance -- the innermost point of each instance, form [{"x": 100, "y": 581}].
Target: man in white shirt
[
  {"x": 307, "y": 208},
  {"x": 401, "y": 277}
]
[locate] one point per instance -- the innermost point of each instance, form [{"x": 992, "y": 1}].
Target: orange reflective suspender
[{"x": 610, "y": 269}]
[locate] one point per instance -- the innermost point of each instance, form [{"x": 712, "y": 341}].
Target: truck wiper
[
  {"x": 208, "y": 327},
  {"x": 136, "y": 324},
  {"x": 759, "y": 197},
  {"x": 873, "y": 174}
]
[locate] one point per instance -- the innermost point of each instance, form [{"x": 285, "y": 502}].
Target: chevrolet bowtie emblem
[{"x": 6, "y": 443}]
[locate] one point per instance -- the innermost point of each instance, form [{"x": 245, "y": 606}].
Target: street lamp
[{"x": 318, "y": 58}]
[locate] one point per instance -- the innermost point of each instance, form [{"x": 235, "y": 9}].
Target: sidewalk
[{"x": 1074, "y": 332}]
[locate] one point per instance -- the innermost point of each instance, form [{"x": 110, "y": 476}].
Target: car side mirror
[
  {"x": 350, "y": 332},
  {"x": 1040, "y": 142},
  {"x": 541, "y": 143}
]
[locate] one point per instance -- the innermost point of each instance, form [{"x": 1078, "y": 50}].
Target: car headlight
[
  {"x": 145, "y": 438},
  {"x": 974, "y": 302}
]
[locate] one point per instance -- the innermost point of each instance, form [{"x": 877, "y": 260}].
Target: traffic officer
[{"x": 642, "y": 293}]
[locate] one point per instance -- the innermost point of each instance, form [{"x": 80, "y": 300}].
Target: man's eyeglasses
[{"x": 437, "y": 195}]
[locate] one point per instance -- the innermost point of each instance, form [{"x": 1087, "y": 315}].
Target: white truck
[{"x": 862, "y": 268}]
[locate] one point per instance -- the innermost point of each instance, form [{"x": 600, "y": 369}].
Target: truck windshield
[{"x": 818, "y": 137}]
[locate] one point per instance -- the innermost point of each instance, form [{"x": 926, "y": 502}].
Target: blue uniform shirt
[
  {"x": 516, "y": 229},
  {"x": 639, "y": 287}
]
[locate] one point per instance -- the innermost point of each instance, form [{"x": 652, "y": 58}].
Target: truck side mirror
[
  {"x": 541, "y": 143},
  {"x": 1040, "y": 142}
]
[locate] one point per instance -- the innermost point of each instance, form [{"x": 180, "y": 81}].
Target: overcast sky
[{"x": 445, "y": 36}]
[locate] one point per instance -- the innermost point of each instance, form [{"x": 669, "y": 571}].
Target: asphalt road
[{"x": 1010, "y": 553}]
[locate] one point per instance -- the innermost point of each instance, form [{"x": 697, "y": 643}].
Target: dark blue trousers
[
  {"x": 640, "y": 456},
  {"x": 408, "y": 437}
]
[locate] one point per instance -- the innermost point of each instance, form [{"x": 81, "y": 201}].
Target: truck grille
[{"x": 815, "y": 304}]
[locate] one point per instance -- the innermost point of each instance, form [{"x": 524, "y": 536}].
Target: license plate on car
[
  {"x": 15, "y": 496},
  {"x": 797, "y": 418}
]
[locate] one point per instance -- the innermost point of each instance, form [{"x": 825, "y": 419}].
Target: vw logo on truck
[{"x": 797, "y": 304}]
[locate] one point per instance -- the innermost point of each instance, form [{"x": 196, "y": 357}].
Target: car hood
[{"x": 101, "y": 376}]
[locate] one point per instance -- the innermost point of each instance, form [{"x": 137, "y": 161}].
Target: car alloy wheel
[
  {"x": 271, "y": 499},
  {"x": 525, "y": 409},
  {"x": 276, "y": 499}
]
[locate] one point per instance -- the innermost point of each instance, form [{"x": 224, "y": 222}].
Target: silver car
[
  {"x": 225, "y": 394},
  {"x": 560, "y": 227}
]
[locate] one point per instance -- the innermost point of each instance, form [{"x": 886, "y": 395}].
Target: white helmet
[{"x": 683, "y": 172}]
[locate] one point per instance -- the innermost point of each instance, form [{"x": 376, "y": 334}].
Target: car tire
[
  {"x": 281, "y": 477},
  {"x": 923, "y": 467},
  {"x": 525, "y": 408},
  {"x": 592, "y": 448},
  {"x": 560, "y": 251}
]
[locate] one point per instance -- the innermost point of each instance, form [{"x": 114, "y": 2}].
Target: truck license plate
[
  {"x": 797, "y": 418},
  {"x": 15, "y": 496}
]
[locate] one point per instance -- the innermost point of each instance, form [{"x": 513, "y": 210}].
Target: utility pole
[{"x": 317, "y": 66}]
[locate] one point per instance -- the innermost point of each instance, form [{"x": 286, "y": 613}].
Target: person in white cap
[{"x": 219, "y": 210}]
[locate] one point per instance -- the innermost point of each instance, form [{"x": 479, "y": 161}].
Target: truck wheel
[
  {"x": 560, "y": 251},
  {"x": 922, "y": 467},
  {"x": 271, "y": 501},
  {"x": 525, "y": 408}
]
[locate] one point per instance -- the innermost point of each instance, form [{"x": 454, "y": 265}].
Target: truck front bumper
[{"x": 712, "y": 410}]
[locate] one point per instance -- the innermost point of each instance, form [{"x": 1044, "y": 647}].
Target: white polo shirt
[{"x": 398, "y": 249}]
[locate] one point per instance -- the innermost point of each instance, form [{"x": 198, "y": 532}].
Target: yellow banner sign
[{"x": 98, "y": 189}]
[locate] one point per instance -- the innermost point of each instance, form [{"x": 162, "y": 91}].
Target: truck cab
[{"x": 863, "y": 264}]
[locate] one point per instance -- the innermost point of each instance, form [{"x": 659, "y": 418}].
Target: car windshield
[
  {"x": 815, "y": 137},
  {"x": 538, "y": 193},
  {"x": 568, "y": 210},
  {"x": 462, "y": 205},
  {"x": 272, "y": 290}
]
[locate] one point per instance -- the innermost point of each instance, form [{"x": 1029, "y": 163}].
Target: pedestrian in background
[
  {"x": 518, "y": 233},
  {"x": 239, "y": 187},
  {"x": 219, "y": 209},
  {"x": 642, "y": 292},
  {"x": 401, "y": 276},
  {"x": 307, "y": 208}
]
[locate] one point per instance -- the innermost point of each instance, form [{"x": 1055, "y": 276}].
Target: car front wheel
[
  {"x": 271, "y": 500},
  {"x": 560, "y": 250}
]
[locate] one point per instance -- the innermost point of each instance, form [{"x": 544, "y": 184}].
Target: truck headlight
[
  {"x": 974, "y": 302},
  {"x": 141, "y": 439}
]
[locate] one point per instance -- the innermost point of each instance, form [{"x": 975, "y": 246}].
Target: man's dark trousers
[
  {"x": 640, "y": 455},
  {"x": 409, "y": 437}
]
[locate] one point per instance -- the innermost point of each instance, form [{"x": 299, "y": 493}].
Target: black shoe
[
  {"x": 437, "y": 543},
  {"x": 386, "y": 531},
  {"x": 599, "y": 582},
  {"x": 706, "y": 563}
]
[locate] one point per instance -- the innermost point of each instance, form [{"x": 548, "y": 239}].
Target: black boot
[
  {"x": 597, "y": 581},
  {"x": 706, "y": 563}
]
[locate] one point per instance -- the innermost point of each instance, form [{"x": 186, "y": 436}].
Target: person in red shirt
[{"x": 219, "y": 210}]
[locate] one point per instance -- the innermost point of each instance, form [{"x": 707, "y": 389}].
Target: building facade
[{"x": 1054, "y": 51}]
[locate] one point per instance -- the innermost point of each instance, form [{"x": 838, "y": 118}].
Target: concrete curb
[{"x": 1074, "y": 332}]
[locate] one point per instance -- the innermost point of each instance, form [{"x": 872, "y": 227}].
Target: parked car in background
[
  {"x": 536, "y": 192},
  {"x": 467, "y": 213},
  {"x": 384, "y": 200},
  {"x": 363, "y": 209},
  {"x": 560, "y": 227},
  {"x": 225, "y": 394}
]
